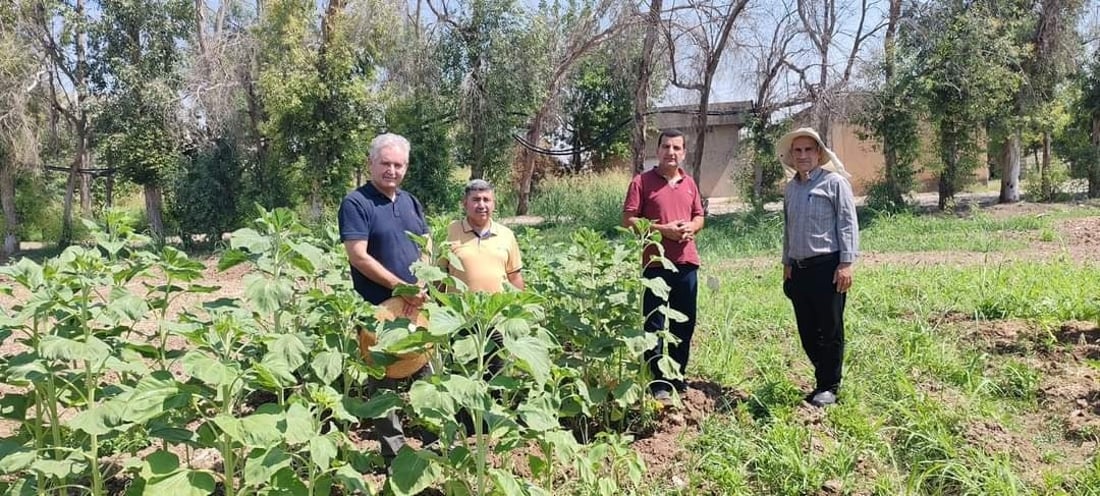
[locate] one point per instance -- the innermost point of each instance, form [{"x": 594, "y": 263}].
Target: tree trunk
[
  {"x": 153, "y": 209},
  {"x": 1010, "y": 169},
  {"x": 949, "y": 150},
  {"x": 699, "y": 127},
  {"x": 109, "y": 190},
  {"x": 890, "y": 172},
  {"x": 11, "y": 217},
  {"x": 79, "y": 162},
  {"x": 1044, "y": 175},
  {"x": 528, "y": 163},
  {"x": 86, "y": 195},
  {"x": 641, "y": 89},
  {"x": 1094, "y": 167},
  {"x": 477, "y": 147},
  {"x": 316, "y": 206}
]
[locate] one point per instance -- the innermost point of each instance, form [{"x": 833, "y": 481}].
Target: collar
[
  {"x": 491, "y": 231},
  {"x": 812, "y": 176},
  {"x": 371, "y": 190},
  {"x": 683, "y": 175}
]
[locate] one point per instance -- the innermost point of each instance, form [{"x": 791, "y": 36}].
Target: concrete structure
[{"x": 724, "y": 124}]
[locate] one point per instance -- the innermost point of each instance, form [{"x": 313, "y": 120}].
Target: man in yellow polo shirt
[{"x": 487, "y": 250}]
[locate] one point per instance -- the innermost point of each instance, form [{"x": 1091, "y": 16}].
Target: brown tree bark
[
  {"x": 7, "y": 202},
  {"x": 641, "y": 89},
  {"x": 1010, "y": 169},
  {"x": 153, "y": 207}
]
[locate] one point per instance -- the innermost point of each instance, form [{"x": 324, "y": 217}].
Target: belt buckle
[{"x": 799, "y": 264}]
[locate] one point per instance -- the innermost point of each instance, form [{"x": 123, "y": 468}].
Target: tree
[
  {"x": 490, "y": 60},
  {"x": 61, "y": 31},
  {"x": 598, "y": 101},
  {"x": 18, "y": 119},
  {"x": 573, "y": 34},
  {"x": 701, "y": 38},
  {"x": 891, "y": 118},
  {"x": 644, "y": 65},
  {"x": 1079, "y": 142},
  {"x": 962, "y": 58},
  {"x": 138, "y": 49},
  {"x": 822, "y": 27}
]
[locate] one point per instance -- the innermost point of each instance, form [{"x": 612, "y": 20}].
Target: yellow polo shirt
[{"x": 487, "y": 258}]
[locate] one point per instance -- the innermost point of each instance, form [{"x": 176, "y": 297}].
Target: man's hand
[
  {"x": 843, "y": 277},
  {"x": 673, "y": 230},
  {"x": 786, "y": 272},
  {"x": 687, "y": 231},
  {"x": 414, "y": 302}
]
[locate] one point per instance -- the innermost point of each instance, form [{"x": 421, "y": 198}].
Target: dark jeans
[
  {"x": 819, "y": 312},
  {"x": 388, "y": 430},
  {"x": 684, "y": 287}
]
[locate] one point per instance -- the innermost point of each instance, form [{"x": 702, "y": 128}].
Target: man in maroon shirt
[{"x": 669, "y": 198}]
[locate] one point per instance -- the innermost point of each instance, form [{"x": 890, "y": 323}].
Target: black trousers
[
  {"x": 389, "y": 429},
  {"x": 682, "y": 296},
  {"x": 819, "y": 312}
]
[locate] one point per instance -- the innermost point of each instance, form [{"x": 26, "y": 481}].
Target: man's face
[
  {"x": 670, "y": 152},
  {"x": 387, "y": 170},
  {"x": 479, "y": 206},
  {"x": 806, "y": 153}
]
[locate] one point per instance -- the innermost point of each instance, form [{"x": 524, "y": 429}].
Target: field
[{"x": 973, "y": 358}]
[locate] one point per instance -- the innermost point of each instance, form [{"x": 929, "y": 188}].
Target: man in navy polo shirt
[
  {"x": 373, "y": 223},
  {"x": 669, "y": 198}
]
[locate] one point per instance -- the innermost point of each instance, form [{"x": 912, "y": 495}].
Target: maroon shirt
[{"x": 654, "y": 198}]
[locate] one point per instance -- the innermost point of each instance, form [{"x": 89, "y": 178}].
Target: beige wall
[
  {"x": 864, "y": 159},
  {"x": 719, "y": 159}
]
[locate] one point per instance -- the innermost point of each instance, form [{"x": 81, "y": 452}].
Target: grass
[{"x": 926, "y": 409}]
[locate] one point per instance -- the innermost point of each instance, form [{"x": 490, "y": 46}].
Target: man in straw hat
[
  {"x": 820, "y": 244},
  {"x": 668, "y": 197},
  {"x": 373, "y": 222}
]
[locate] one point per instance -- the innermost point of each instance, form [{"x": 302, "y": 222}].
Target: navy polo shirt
[{"x": 368, "y": 214}]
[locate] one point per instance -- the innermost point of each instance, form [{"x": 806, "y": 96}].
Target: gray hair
[
  {"x": 477, "y": 185},
  {"x": 387, "y": 140}
]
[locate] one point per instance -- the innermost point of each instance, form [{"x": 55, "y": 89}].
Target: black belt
[{"x": 806, "y": 263}]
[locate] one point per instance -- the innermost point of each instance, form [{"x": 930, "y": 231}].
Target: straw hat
[
  {"x": 827, "y": 161},
  {"x": 407, "y": 363}
]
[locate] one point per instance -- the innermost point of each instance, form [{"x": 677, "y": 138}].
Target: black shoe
[{"x": 823, "y": 399}]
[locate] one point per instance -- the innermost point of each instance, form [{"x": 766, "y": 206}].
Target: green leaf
[
  {"x": 60, "y": 469},
  {"x": 208, "y": 370},
  {"x": 262, "y": 464},
  {"x": 350, "y": 479},
  {"x": 443, "y": 321},
  {"x": 99, "y": 420},
  {"x": 313, "y": 255},
  {"x": 429, "y": 401},
  {"x": 59, "y": 348},
  {"x": 300, "y": 424},
  {"x": 506, "y": 482},
  {"x": 231, "y": 258},
  {"x": 328, "y": 365},
  {"x": 628, "y": 393},
  {"x": 378, "y": 406},
  {"x": 268, "y": 296},
  {"x": 261, "y": 429},
  {"x": 540, "y": 413},
  {"x": 287, "y": 483},
  {"x": 151, "y": 397},
  {"x": 658, "y": 287},
  {"x": 159, "y": 463},
  {"x": 248, "y": 239},
  {"x": 291, "y": 349},
  {"x": 15, "y": 457},
  {"x": 322, "y": 450},
  {"x": 13, "y": 406},
  {"x": 182, "y": 482},
  {"x": 533, "y": 356},
  {"x": 412, "y": 473}
]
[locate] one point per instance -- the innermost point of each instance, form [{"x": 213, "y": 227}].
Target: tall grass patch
[{"x": 592, "y": 200}]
